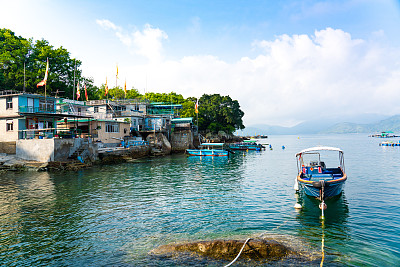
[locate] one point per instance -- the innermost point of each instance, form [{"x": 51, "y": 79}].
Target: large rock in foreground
[{"x": 256, "y": 249}]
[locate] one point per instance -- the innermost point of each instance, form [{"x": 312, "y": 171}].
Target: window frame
[{"x": 9, "y": 125}]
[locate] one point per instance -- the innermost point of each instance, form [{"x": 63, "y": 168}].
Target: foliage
[
  {"x": 165, "y": 98},
  {"x": 15, "y": 52},
  {"x": 188, "y": 108},
  {"x": 219, "y": 113}
]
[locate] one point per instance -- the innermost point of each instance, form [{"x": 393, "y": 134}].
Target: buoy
[
  {"x": 296, "y": 185},
  {"x": 322, "y": 205},
  {"x": 283, "y": 147},
  {"x": 297, "y": 206}
]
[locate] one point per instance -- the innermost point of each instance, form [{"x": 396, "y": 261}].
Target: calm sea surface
[{"x": 113, "y": 215}]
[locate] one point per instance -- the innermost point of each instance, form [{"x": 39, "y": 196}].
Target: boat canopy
[
  {"x": 212, "y": 144},
  {"x": 319, "y": 148}
]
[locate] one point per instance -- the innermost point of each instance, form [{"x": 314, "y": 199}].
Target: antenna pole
[{"x": 73, "y": 90}]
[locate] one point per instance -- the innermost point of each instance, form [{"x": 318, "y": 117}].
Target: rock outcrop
[{"x": 255, "y": 249}]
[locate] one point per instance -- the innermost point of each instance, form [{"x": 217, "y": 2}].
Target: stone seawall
[
  {"x": 117, "y": 155},
  {"x": 182, "y": 140},
  {"x": 8, "y": 147}
]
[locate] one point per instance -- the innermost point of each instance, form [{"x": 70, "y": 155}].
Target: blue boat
[
  {"x": 387, "y": 143},
  {"x": 247, "y": 145},
  {"x": 209, "y": 149},
  {"x": 317, "y": 180}
]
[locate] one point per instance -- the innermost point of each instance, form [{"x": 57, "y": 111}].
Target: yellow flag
[
  {"x": 106, "y": 87},
  {"x": 125, "y": 88},
  {"x": 78, "y": 92},
  {"x": 117, "y": 71}
]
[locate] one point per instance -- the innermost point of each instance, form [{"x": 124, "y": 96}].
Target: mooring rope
[
  {"x": 322, "y": 245},
  {"x": 248, "y": 239},
  {"x": 240, "y": 252}
]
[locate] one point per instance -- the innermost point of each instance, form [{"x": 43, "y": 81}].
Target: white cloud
[
  {"x": 106, "y": 24},
  {"x": 294, "y": 78},
  {"x": 146, "y": 43}
]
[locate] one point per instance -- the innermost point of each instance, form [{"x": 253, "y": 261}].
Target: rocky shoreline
[{"x": 160, "y": 147}]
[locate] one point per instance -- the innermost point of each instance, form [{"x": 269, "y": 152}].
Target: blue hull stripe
[{"x": 331, "y": 190}]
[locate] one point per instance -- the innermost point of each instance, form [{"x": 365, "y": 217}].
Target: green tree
[
  {"x": 172, "y": 97},
  {"x": 15, "y": 52},
  {"x": 116, "y": 93},
  {"x": 188, "y": 108},
  {"x": 219, "y": 113},
  {"x": 133, "y": 94}
]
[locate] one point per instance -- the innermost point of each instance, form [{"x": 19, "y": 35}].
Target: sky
[{"x": 284, "y": 61}]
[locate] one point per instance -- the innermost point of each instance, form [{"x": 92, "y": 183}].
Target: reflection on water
[
  {"x": 332, "y": 232},
  {"x": 27, "y": 204}
]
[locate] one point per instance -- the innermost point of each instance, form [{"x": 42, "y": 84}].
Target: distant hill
[
  {"x": 328, "y": 126},
  {"x": 389, "y": 124}
]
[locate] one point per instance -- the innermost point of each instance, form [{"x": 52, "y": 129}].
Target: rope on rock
[
  {"x": 240, "y": 252},
  {"x": 248, "y": 239}
]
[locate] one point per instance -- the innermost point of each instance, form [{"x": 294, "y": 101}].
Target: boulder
[{"x": 255, "y": 249}]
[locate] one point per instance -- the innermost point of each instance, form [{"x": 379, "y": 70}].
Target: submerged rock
[{"x": 255, "y": 249}]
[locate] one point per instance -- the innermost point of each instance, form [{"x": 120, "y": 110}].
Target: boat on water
[
  {"x": 315, "y": 178},
  {"x": 388, "y": 143},
  {"x": 247, "y": 145},
  {"x": 210, "y": 149},
  {"x": 388, "y": 134}
]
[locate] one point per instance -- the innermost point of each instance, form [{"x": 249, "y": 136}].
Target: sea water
[{"x": 114, "y": 215}]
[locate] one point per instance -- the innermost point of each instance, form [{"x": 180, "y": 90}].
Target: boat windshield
[{"x": 322, "y": 159}]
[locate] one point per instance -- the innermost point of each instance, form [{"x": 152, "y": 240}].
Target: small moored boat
[
  {"x": 247, "y": 145},
  {"x": 209, "y": 149},
  {"x": 317, "y": 180},
  {"x": 388, "y": 143}
]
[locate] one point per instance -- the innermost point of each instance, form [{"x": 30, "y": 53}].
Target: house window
[
  {"x": 96, "y": 109},
  {"x": 9, "y": 125},
  {"x": 46, "y": 105},
  {"x": 9, "y": 103},
  {"x": 112, "y": 127}
]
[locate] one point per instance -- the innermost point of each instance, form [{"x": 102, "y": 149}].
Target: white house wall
[
  {"x": 41, "y": 150},
  {"x": 6, "y": 136}
]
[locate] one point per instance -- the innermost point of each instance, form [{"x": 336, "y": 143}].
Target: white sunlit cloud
[
  {"x": 146, "y": 43},
  {"x": 294, "y": 78}
]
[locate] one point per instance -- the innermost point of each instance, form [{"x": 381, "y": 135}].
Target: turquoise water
[{"x": 114, "y": 215}]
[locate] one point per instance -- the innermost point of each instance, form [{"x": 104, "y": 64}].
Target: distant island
[{"x": 327, "y": 127}]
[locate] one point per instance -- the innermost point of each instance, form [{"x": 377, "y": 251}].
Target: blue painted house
[{"x": 26, "y": 116}]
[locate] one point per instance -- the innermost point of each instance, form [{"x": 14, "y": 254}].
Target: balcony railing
[
  {"x": 50, "y": 133},
  {"x": 27, "y": 109}
]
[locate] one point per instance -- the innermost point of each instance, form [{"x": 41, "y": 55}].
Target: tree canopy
[
  {"x": 18, "y": 54},
  {"x": 219, "y": 113}
]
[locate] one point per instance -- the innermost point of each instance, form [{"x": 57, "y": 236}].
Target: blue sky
[{"x": 284, "y": 61}]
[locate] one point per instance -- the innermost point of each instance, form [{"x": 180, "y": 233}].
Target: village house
[
  {"x": 26, "y": 116},
  {"x": 28, "y": 127}
]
